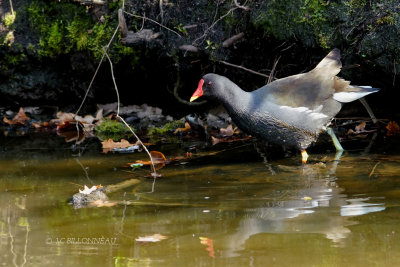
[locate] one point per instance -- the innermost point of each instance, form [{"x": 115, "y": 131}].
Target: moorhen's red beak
[{"x": 198, "y": 92}]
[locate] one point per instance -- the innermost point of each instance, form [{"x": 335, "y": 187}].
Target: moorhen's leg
[{"x": 335, "y": 140}]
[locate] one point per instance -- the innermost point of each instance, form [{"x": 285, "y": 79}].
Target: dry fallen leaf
[
  {"x": 102, "y": 203},
  {"x": 228, "y": 131},
  {"x": 392, "y": 128},
  {"x": 361, "y": 127},
  {"x": 209, "y": 245},
  {"x": 151, "y": 238},
  {"x": 183, "y": 130},
  {"x": 159, "y": 160},
  {"x": 19, "y": 119},
  {"x": 109, "y": 145},
  {"x": 86, "y": 190}
]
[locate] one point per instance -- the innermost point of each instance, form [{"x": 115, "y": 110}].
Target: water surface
[{"x": 230, "y": 208}]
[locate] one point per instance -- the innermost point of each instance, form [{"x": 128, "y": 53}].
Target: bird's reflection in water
[{"x": 317, "y": 206}]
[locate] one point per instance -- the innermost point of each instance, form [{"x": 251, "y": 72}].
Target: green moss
[
  {"x": 112, "y": 129},
  {"x": 167, "y": 128},
  {"x": 9, "y": 19},
  {"x": 63, "y": 27}
]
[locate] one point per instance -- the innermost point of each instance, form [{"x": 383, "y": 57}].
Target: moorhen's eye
[{"x": 209, "y": 84}]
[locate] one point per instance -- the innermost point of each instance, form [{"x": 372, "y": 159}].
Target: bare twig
[
  {"x": 240, "y": 6},
  {"x": 161, "y": 11},
  {"x": 394, "y": 71},
  {"x": 369, "y": 110},
  {"x": 95, "y": 73},
  {"x": 146, "y": 18},
  {"x": 119, "y": 117},
  {"x": 373, "y": 169},
  {"x": 230, "y": 41},
  {"x": 11, "y": 7},
  {"x": 271, "y": 75},
  {"x": 122, "y": 23},
  {"x": 213, "y": 24},
  {"x": 243, "y": 68}
]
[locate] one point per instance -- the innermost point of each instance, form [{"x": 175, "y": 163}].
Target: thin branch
[
  {"x": 243, "y": 68},
  {"x": 271, "y": 75},
  {"x": 161, "y": 11},
  {"x": 118, "y": 116},
  {"x": 230, "y": 41},
  {"x": 137, "y": 16},
  {"x": 240, "y": 6},
  {"x": 11, "y": 7},
  {"x": 369, "y": 110},
  {"x": 213, "y": 24},
  {"x": 97, "y": 70}
]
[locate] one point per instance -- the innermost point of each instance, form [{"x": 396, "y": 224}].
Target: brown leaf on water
[
  {"x": 109, "y": 145},
  {"x": 159, "y": 160},
  {"x": 151, "y": 238},
  {"x": 209, "y": 245},
  {"x": 187, "y": 128},
  {"x": 102, "y": 203},
  {"x": 392, "y": 129},
  {"x": 19, "y": 119}
]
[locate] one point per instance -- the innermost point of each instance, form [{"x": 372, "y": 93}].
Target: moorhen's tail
[{"x": 345, "y": 93}]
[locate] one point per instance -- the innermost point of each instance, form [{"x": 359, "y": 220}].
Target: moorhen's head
[{"x": 212, "y": 85}]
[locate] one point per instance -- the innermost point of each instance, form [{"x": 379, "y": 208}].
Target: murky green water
[{"x": 213, "y": 211}]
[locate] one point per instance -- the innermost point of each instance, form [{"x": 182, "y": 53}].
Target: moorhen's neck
[{"x": 232, "y": 97}]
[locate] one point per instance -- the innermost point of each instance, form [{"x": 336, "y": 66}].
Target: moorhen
[{"x": 291, "y": 111}]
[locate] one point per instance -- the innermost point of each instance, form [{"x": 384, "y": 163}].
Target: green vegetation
[
  {"x": 112, "y": 129},
  {"x": 167, "y": 128},
  {"x": 9, "y": 19}
]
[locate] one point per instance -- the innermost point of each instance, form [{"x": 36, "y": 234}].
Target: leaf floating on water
[
  {"x": 209, "y": 245},
  {"x": 86, "y": 190},
  {"x": 392, "y": 129},
  {"x": 19, "y": 119},
  {"x": 135, "y": 166},
  {"x": 159, "y": 160},
  {"x": 151, "y": 238},
  {"x": 307, "y": 198},
  {"x": 109, "y": 145},
  {"x": 102, "y": 203}
]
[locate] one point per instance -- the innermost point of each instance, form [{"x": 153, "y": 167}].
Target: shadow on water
[{"x": 231, "y": 208}]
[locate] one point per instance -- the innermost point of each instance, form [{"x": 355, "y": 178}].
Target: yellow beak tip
[{"x": 193, "y": 98}]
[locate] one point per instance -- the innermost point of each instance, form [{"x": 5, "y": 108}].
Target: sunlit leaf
[
  {"x": 209, "y": 245},
  {"x": 151, "y": 238},
  {"x": 109, "y": 145},
  {"x": 136, "y": 165},
  {"x": 87, "y": 190},
  {"x": 103, "y": 203}
]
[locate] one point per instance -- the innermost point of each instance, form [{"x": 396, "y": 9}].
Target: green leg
[{"x": 335, "y": 140}]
